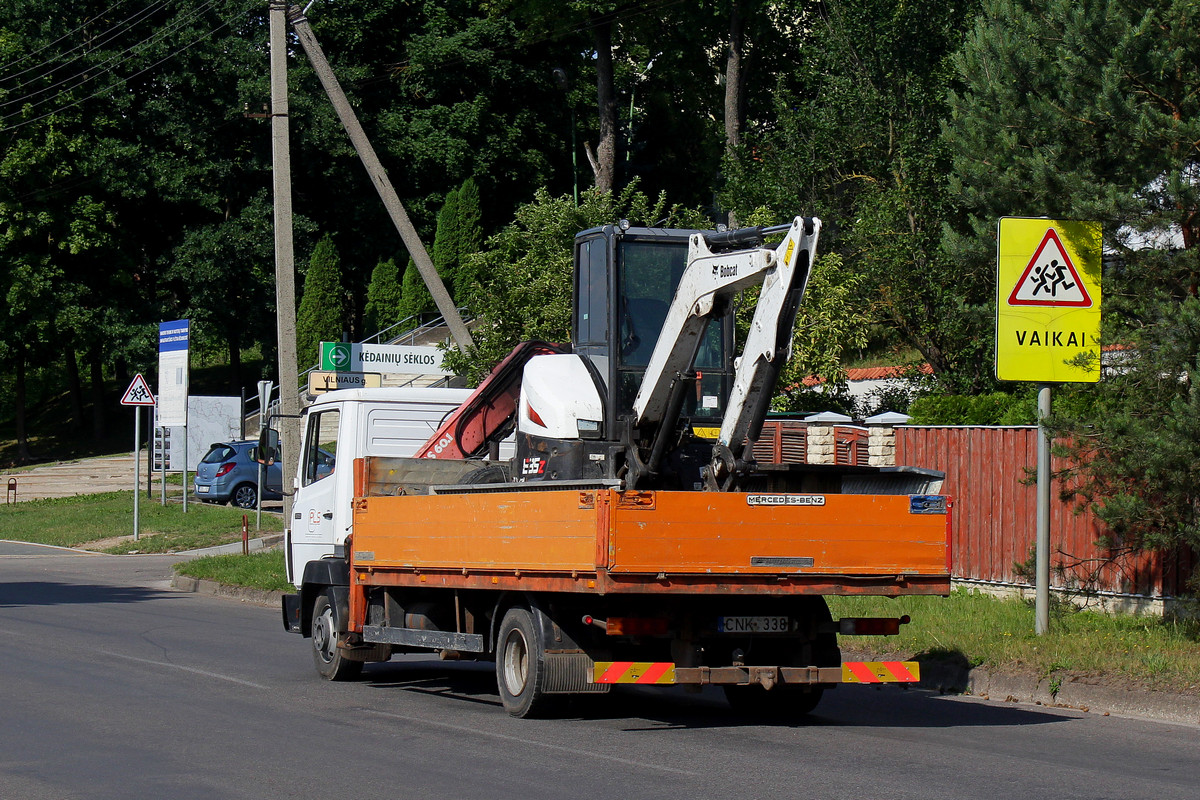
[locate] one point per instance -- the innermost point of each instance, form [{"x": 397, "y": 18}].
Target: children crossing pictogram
[
  {"x": 138, "y": 393},
  {"x": 1050, "y": 279}
]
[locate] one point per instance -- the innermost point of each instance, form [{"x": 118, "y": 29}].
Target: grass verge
[
  {"x": 980, "y": 630},
  {"x": 261, "y": 570},
  {"x": 104, "y": 522}
]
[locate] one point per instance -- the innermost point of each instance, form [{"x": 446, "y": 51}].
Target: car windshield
[{"x": 218, "y": 453}]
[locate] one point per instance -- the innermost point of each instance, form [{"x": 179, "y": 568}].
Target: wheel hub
[{"x": 516, "y": 663}]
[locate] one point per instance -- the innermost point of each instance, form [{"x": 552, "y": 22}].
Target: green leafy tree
[
  {"x": 1091, "y": 110},
  {"x": 829, "y": 323},
  {"x": 524, "y": 276},
  {"x": 383, "y": 297},
  {"x": 321, "y": 316},
  {"x": 854, "y": 140},
  {"x": 228, "y": 270}
]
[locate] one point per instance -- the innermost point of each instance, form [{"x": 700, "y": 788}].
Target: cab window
[{"x": 320, "y": 446}]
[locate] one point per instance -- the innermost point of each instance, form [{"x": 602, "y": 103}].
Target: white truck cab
[{"x": 337, "y": 428}]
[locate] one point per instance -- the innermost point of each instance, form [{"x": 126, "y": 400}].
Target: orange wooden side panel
[
  {"x": 721, "y": 533},
  {"x": 505, "y": 531},
  {"x": 671, "y": 532}
]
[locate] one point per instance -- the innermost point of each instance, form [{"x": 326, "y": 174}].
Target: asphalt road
[{"x": 113, "y": 686}]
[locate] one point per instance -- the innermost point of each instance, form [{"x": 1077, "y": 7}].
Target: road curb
[
  {"x": 268, "y": 542},
  {"x": 1081, "y": 693},
  {"x": 258, "y": 597}
]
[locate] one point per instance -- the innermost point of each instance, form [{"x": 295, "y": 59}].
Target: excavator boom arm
[{"x": 713, "y": 275}]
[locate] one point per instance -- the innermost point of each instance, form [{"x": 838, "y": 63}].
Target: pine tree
[
  {"x": 383, "y": 297},
  {"x": 1090, "y": 109},
  {"x": 321, "y": 317},
  {"x": 458, "y": 236}
]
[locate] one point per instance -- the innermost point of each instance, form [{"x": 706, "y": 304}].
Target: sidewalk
[{"x": 71, "y": 478}]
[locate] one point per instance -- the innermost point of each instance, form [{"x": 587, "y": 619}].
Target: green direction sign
[
  {"x": 385, "y": 358},
  {"x": 335, "y": 355}
]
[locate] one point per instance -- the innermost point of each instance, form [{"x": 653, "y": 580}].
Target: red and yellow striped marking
[
  {"x": 644, "y": 672},
  {"x": 881, "y": 672}
]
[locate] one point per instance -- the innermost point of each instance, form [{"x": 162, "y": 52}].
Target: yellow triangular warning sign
[{"x": 1050, "y": 278}]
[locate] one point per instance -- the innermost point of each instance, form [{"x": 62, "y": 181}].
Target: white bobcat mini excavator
[{"x": 652, "y": 373}]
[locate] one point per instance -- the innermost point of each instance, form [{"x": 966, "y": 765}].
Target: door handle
[{"x": 328, "y": 515}]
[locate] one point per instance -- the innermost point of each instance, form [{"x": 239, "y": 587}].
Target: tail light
[
  {"x": 225, "y": 469},
  {"x": 536, "y": 418},
  {"x": 637, "y": 626}
]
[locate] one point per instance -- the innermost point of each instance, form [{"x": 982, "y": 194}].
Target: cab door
[{"x": 314, "y": 512}]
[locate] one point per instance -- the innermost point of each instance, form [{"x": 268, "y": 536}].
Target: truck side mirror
[{"x": 267, "y": 451}]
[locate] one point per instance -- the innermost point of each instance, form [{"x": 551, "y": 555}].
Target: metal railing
[{"x": 405, "y": 332}]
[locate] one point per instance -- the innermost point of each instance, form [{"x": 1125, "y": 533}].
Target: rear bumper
[{"x": 664, "y": 673}]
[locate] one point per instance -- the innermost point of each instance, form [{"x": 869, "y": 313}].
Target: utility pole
[
  {"x": 395, "y": 209},
  {"x": 285, "y": 270}
]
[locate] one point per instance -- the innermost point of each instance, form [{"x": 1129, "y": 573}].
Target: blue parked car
[{"x": 227, "y": 474}]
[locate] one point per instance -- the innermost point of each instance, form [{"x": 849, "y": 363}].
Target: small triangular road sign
[
  {"x": 1050, "y": 279},
  {"x": 138, "y": 393}
]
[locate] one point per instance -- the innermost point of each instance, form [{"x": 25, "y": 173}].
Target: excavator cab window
[
  {"x": 648, "y": 274},
  {"x": 624, "y": 283}
]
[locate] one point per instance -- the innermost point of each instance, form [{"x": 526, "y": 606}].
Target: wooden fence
[
  {"x": 785, "y": 441},
  {"x": 995, "y": 524}
]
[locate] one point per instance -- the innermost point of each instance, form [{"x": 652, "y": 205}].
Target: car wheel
[{"x": 245, "y": 495}]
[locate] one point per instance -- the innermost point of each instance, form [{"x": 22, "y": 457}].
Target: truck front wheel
[
  {"x": 520, "y": 665},
  {"x": 330, "y": 662}
]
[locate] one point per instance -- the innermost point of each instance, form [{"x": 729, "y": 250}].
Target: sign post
[
  {"x": 137, "y": 395},
  {"x": 1047, "y": 331},
  {"x": 264, "y": 397}
]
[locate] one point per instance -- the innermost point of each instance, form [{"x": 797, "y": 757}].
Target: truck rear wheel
[
  {"x": 521, "y": 665},
  {"x": 328, "y": 659}
]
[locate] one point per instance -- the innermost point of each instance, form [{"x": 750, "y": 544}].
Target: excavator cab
[
  {"x": 576, "y": 419},
  {"x": 625, "y": 280}
]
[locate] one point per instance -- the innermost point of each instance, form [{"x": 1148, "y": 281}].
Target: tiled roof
[{"x": 871, "y": 374}]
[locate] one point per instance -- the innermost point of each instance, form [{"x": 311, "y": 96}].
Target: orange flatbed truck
[{"x": 624, "y": 538}]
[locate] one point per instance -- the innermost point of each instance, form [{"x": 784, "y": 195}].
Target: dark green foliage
[
  {"x": 523, "y": 277},
  {"x": 383, "y": 297},
  {"x": 1139, "y": 452},
  {"x": 1091, "y": 110},
  {"x": 321, "y": 316},
  {"x": 854, "y": 140},
  {"x": 996, "y": 408},
  {"x": 458, "y": 236},
  {"x": 415, "y": 299}
]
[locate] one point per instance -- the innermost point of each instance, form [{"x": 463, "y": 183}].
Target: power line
[
  {"x": 99, "y": 42},
  {"x": 206, "y": 35},
  {"x": 51, "y": 44},
  {"x": 97, "y": 71},
  {"x": 115, "y": 61}
]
